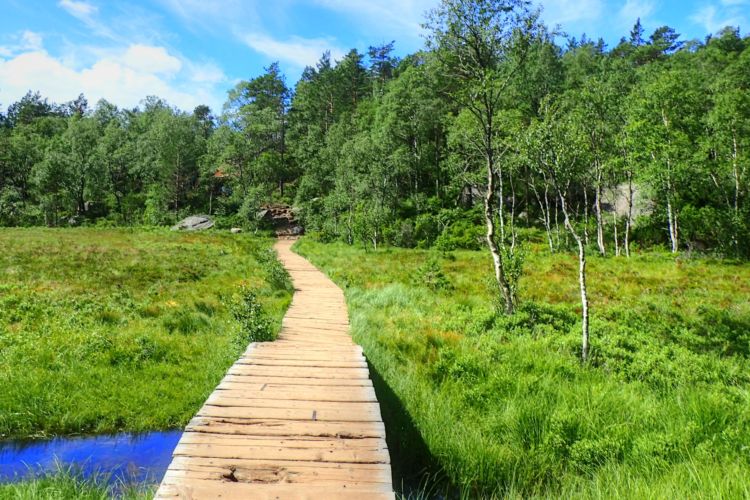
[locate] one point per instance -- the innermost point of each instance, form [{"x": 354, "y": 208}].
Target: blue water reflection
[{"x": 121, "y": 458}]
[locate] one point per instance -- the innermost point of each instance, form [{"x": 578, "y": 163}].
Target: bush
[
  {"x": 276, "y": 274},
  {"x": 462, "y": 234},
  {"x": 255, "y": 325},
  {"x": 431, "y": 275}
]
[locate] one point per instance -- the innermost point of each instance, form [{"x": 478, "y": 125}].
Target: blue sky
[{"x": 192, "y": 51}]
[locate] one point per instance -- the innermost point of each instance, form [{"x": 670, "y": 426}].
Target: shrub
[
  {"x": 276, "y": 274},
  {"x": 255, "y": 326},
  {"x": 431, "y": 275}
]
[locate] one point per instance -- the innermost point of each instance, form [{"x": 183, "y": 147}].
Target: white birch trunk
[
  {"x": 599, "y": 218},
  {"x": 497, "y": 260}
]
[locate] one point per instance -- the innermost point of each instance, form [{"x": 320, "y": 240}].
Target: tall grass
[
  {"x": 68, "y": 483},
  {"x": 505, "y": 408}
]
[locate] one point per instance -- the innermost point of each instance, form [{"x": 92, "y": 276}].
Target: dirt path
[{"x": 294, "y": 418}]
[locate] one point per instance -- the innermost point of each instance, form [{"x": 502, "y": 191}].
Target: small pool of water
[{"x": 128, "y": 458}]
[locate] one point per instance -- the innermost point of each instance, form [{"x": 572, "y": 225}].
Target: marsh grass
[
  {"x": 108, "y": 330},
  {"x": 506, "y": 409}
]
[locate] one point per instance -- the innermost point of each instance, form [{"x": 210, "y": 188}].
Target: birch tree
[
  {"x": 557, "y": 145},
  {"x": 662, "y": 127},
  {"x": 479, "y": 47}
]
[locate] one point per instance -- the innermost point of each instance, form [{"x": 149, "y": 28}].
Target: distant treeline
[{"x": 376, "y": 149}]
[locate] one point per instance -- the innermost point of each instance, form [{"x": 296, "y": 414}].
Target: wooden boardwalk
[{"x": 295, "y": 418}]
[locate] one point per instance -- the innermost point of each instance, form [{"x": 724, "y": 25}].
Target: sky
[{"x": 192, "y": 52}]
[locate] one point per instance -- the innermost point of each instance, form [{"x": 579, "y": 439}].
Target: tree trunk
[
  {"x": 497, "y": 259},
  {"x": 581, "y": 279},
  {"x": 599, "y": 218},
  {"x": 501, "y": 208},
  {"x": 617, "y": 241},
  {"x": 672, "y": 226},
  {"x": 629, "y": 220},
  {"x": 736, "y": 173},
  {"x": 585, "y": 213},
  {"x": 544, "y": 207}
]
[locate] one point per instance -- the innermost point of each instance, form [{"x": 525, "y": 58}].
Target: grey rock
[
  {"x": 235, "y": 230},
  {"x": 194, "y": 223}
]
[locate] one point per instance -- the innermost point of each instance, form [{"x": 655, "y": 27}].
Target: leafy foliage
[{"x": 255, "y": 325}]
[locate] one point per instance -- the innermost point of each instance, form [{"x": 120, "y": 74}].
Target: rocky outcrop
[{"x": 282, "y": 219}]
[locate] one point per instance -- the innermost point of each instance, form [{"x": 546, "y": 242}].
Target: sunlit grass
[
  {"x": 504, "y": 405},
  {"x": 68, "y": 483},
  {"x": 119, "y": 330}
]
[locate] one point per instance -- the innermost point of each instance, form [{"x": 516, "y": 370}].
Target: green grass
[
  {"x": 67, "y": 483},
  {"x": 502, "y": 405},
  {"x": 107, "y": 330}
]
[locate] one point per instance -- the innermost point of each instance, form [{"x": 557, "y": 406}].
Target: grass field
[
  {"x": 106, "y": 330},
  {"x": 501, "y": 406}
]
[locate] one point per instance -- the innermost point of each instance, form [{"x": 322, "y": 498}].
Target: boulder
[{"x": 194, "y": 223}]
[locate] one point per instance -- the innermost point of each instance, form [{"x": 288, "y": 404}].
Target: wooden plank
[
  {"x": 304, "y": 356},
  {"x": 283, "y": 454},
  {"x": 271, "y": 427},
  {"x": 275, "y": 475},
  {"x": 197, "y": 489},
  {"x": 233, "y": 380},
  {"x": 314, "y": 363},
  {"x": 303, "y": 393},
  {"x": 256, "y": 402},
  {"x": 300, "y": 372},
  {"x": 377, "y": 472},
  {"x": 365, "y": 413},
  {"x": 282, "y": 441}
]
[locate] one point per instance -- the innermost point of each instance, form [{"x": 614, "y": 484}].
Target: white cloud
[
  {"x": 217, "y": 16},
  {"x": 297, "y": 51},
  {"x": 26, "y": 41},
  {"x": 714, "y": 18},
  {"x": 148, "y": 59},
  {"x": 572, "y": 11},
  {"x": 123, "y": 77},
  {"x": 633, "y": 10},
  {"x": 78, "y": 8},
  {"x": 31, "y": 40},
  {"x": 205, "y": 72}
]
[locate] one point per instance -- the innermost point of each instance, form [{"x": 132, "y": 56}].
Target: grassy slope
[
  {"x": 118, "y": 330},
  {"x": 503, "y": 404}
]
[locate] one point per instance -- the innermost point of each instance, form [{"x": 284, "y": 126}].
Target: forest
[{"x": 638, "y": 145}]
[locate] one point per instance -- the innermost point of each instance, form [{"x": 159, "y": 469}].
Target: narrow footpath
[{"x": 292, "y": 419}]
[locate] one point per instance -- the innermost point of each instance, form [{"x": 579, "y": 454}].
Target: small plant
[
  {"x": 276, "y": 275},
  {"x": 255, "y": 326},
  {"x": 431, "y": 275}
]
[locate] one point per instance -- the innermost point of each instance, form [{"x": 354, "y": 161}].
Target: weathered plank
[
  {"x": 201, "y": 488},
  {"x": 294, "y": 418},
  {"x": 270, "y": 427}
]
